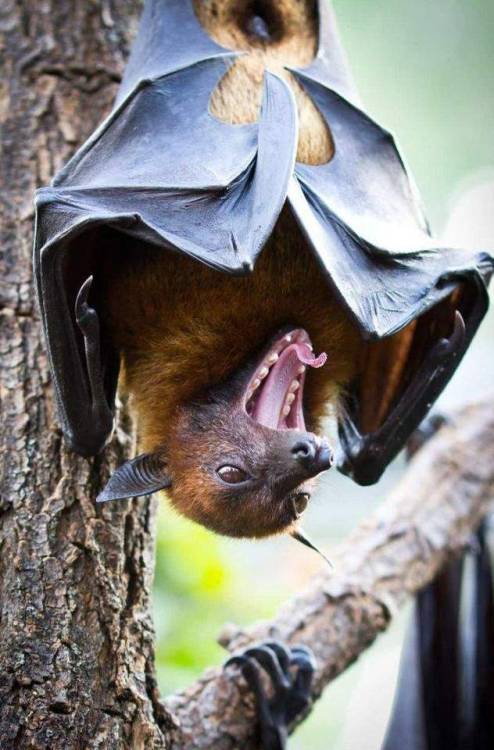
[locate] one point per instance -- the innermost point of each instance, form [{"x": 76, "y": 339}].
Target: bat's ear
[{"x": 141, "y": 476}]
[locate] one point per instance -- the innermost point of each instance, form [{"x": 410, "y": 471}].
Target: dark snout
[{"x": 313, "y": 454}]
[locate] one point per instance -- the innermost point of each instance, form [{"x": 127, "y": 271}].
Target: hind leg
[{"x": 290, "y": 671}]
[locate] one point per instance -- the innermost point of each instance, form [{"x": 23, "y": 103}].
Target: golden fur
[
  {"x": 237, "y": 97},
  {"x": 183, "y": 330},
  {"x": 182, "y": 327}
]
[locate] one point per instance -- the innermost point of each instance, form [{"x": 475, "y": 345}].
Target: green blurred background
[{"x": 425, "y": 71}]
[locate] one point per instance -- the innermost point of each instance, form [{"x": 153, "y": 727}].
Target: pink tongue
[
  {"x": 274, "y": 389},
  {"x": 307, "y": 357}
]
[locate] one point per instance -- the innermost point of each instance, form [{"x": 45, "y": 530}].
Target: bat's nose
[{"x": 313, "y": 454}]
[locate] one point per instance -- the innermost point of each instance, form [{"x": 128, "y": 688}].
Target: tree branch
[{"x": 429, "y": 518}]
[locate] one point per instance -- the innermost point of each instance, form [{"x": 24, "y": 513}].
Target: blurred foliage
[
  {"x": 192, "y": 588},
  {"x": 200, "y": 584},
  {"x": 425, "y": 71}
]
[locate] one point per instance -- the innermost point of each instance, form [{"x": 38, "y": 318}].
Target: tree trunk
[{"x": 76, "y": 638}]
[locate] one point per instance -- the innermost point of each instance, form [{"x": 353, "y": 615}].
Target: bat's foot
[
  {"x": 290, "y": 671},
  {"x": 424, "y": 432}
]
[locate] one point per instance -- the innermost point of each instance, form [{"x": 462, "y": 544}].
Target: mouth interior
[{"x": 274, "y": 395}]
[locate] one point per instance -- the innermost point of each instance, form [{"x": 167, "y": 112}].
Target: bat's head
[{"x": 239, "y": 459}]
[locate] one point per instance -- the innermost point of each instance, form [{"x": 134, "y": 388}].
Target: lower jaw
[{"x": 252, "y": 529}]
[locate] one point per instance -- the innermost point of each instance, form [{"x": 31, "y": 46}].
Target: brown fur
[
  {"x": 183, "y": 328},
  {"x": 185, "y": 331},
  {"x": 207, "y": 435},
  {"x": 237, "y": 97}
]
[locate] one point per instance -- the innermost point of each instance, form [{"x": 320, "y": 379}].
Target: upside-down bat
[
  {"x": 243, "y": 243},
  {"x": 219, "y": 256}
]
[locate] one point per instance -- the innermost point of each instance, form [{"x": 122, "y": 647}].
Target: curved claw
[
  {"x": 88, "y": 322},
  {"x": 98, "y": 413},
  {"x": 448, "y": 346},
  {"x": 303, "y": 658},
  {"x": 282, "y": 652},
  {"x": 81, "y": 307},
  {"x": 459, "y": 331},
  {"x": 302, "y": 655},
  {"x": 268, "y": 659},
  {"x": 237, "y": 660},
  {"x": 291, "y": 687},
  {"x": 251, "y": 674}
]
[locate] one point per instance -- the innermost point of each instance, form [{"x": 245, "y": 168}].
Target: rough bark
[
  {"x": 75, "y": 631},
  {"x": 428, "y": 519}
]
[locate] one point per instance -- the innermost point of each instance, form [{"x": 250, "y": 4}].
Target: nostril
[
  {"x": 313, "y": 454},
  {"x": 304, "y": 450}
]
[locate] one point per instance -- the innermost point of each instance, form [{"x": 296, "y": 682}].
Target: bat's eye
[{"x": 232, "y": 474}]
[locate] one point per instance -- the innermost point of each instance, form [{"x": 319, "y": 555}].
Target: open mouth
[{"x": 274, "y": 394}]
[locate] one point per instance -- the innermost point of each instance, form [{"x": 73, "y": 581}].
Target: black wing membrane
[
  {"x": 426, "y": 705},
  {"x": 361, "y": 214},
  {"x": 162, "y": 169},
  {"x": 445, "y": 694}
]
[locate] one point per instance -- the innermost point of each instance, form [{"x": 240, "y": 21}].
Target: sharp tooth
[
  {"x": 285, "y": 411},
  {"x": 301, "y": 370},
  {"x": 288, "y": 339},
  {"x": 294, "y": 386},
  {"x": 263, "y": 372},
  {"x": 256, "y": 384},
  {"x": 273, "y": 358},
  {"x": 290, "y": 399}
]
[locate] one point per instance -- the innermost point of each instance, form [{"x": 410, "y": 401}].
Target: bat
[
  {"x": 241, "y": 244},
  {"x": 446, "y": 684},
  {"x": 163, "y": 184},
  {"x": 426, "y": 705}
]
